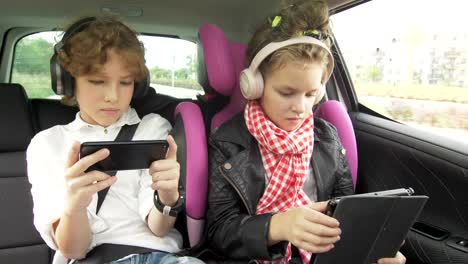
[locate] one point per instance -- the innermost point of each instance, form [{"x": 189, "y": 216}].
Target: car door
[{"x": 403, "y": 74}]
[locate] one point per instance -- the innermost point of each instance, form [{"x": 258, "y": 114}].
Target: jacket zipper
[{"x": 237, "y": 190}]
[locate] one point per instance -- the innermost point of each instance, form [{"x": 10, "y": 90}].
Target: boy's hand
[
  {"x": 81, "y": 186},
  {"x": 165, "y": 174}
]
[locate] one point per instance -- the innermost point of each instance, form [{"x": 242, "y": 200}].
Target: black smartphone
[
  {"x": 332, "y": 203},
  {"x": 125, "y": 155}
]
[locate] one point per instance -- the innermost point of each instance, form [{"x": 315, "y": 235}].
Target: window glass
[
  {"x": 173, "y": 66},
  {"x": 31, "y": 65},
  {"x": 408, "y": 60}
]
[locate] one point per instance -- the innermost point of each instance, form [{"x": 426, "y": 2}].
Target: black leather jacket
[{"x": 237, "y": 182}]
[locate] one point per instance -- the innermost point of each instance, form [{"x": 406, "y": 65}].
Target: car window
[
  {"x": 407, "y": 65},
  {"x": 31, "y": 64},
  {"x": 173, "y": 66},
  {"x": 171, "y": 62}
]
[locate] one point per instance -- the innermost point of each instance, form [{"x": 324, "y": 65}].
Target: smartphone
[
  {"x": 125, "y": 155},
  {"x": 332, "y": 203}
]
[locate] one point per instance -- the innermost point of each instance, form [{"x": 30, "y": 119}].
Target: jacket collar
[{"x": 239, "y": 133}]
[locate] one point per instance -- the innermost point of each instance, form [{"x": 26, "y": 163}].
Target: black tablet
[
  {"x": 372, "y": 226},
  {"x": 126, "y": 155}
]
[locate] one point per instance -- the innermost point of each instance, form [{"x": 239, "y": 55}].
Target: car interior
[{"x": 383, "y": 153}]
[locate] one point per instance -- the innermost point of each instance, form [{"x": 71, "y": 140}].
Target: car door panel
[{"x": 394, "y": 155}]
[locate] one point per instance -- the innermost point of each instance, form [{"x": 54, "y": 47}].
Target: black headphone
[{"x": 63, "y": 82}]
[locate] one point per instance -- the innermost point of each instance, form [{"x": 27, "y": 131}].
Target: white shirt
[{"x": 122, "y": 217}]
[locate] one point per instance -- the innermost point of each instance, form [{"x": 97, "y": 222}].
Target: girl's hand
[
  {"x": 165, "y": 174},
  {"x": 308, "y": 228},
  {"x": 81, "y": 186}
]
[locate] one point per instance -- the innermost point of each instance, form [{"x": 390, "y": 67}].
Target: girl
[
  {"x": 273, "y": 163},
  {"x": 99, "y": 64}
]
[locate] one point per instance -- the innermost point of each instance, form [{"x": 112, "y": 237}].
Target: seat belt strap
[{"x": 125, "y": 134}]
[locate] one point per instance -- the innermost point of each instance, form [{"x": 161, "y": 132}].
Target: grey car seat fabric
[
  {"x": 19, "y": 240},
  {"x": 47, "y": 113}
]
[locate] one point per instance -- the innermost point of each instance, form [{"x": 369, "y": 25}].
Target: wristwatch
[{"x": 166, "y": 209}]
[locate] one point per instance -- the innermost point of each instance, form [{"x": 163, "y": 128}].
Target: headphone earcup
[
  {"x": 62, "y": 81},
  {"x": 55, "y": 74},
  {"x": 251, "y": 84},
  {"x": 68, "y": 82},
  {"x": 320, "y": 94}
]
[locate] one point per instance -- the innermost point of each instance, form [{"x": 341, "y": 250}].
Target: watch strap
[{"x": 166, "y": 209}]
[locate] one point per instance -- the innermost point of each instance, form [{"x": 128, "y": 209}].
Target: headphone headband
[
  {"x": 274, "y": 46},
  {"x": 77, "y": 27},
  {"x": 251, "y": 79}
]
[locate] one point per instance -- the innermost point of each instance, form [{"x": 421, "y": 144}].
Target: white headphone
[{"x": 251, "y": 80}]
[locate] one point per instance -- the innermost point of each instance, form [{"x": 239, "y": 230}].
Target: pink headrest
[
  {"x": 237, "y": 100},
  {"x": 217, "y": 60}
]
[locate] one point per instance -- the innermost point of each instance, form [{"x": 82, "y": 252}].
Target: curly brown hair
[
  {"x": 297, "y": 16},
  {"x": 86, "y": 51}
]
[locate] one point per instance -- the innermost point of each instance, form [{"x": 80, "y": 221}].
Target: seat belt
[
  {"x": 108, "y": 252},
  {"x": 125, "y": 134}
]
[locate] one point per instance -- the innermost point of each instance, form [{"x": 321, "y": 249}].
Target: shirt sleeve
[{"x": 46, "y": 175}]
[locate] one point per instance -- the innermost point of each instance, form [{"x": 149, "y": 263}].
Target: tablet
[
  {"x": 125, "y": 155},
  {"x": 372, "y": 227}
]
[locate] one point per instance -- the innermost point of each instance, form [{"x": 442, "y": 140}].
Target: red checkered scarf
[{"x": 286, "y": 158}]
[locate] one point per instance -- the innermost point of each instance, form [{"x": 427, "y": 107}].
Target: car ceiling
[{"x": 168, "y": 17}]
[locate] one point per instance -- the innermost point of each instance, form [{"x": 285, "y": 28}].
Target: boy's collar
[{"x": 129, "y": 117}]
